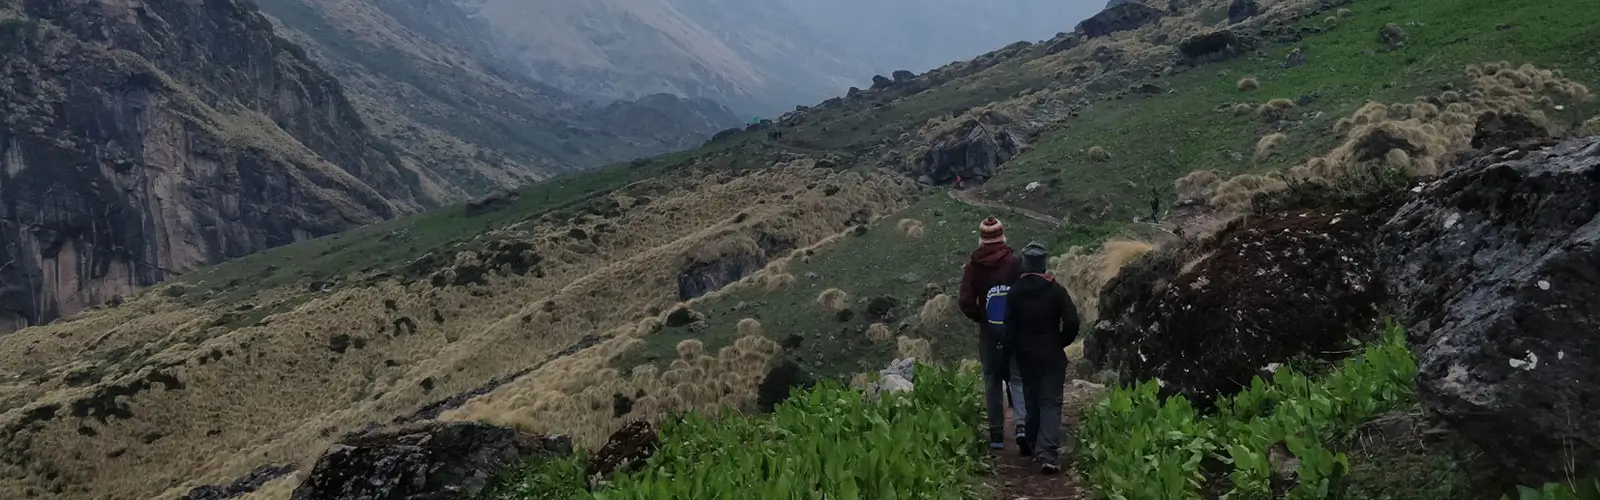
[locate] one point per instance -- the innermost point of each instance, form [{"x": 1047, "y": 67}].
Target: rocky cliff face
[{"x": 145, "y": 138}]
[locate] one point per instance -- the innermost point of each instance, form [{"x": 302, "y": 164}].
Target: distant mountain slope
[
  {"x": 757, "y": 57},
  {"x": 426, "y": 73}
]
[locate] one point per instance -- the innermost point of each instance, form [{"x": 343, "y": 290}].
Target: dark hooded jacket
[
  {"x": 989, "y": 265},
  {"x": 1041, "y": 320}
]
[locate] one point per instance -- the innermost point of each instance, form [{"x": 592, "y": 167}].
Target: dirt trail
[
  {"x": 1017, "y": 478},
  {"x": 971, "y": 197}
]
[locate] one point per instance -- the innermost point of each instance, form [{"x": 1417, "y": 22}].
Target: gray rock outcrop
[
  {"x": 1120, "y": 17},
  {"x": 1495, "y": 270},
  {"x": 973, "y": 151},
  {"x": 437, "y": 460}
]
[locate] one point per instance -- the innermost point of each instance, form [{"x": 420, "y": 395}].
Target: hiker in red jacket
[{"x": 991, "y": 270}]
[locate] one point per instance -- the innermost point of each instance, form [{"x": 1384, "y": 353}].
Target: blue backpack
[{"x": 995, "y": 303}]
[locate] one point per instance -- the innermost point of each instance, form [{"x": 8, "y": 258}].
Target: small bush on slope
[
  {"x": 828, "y": 442},
  {"x": 1137, "y": 446}
]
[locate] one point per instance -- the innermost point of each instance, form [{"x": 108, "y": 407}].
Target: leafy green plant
[
  {"x": 827, "y": 442},
  {"x": 1579, "y": 490},
  {"x": 1138, "y": 446},
  {"x": 540, "y": 479}
]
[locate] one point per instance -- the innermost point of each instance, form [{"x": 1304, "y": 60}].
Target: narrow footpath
[{"x": 1017, "y": 478}]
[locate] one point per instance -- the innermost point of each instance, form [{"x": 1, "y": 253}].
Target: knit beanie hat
[
  {"x": 1035, "y": 258},
  {"x": 991, "y": 231}
]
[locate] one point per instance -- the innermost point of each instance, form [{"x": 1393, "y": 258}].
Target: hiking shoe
[
  {"x": 1050, "y": 469},
  {"x": 997, "y": 445},
  {"x": 1024, "y": 447}
]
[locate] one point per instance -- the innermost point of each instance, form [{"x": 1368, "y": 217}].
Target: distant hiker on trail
[
  {"x": 1155, "y": 206},
  {"x": 983, "y": 287},
  {"x": 1042, "y": 321}
]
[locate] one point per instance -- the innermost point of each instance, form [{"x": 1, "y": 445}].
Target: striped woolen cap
[{"x": 991, "y": 231}]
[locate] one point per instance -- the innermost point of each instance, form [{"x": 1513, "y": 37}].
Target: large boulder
[
  {"x": 1214, "y": 45},
  {"x": 1495, "y": 270},
  {"x": 782, "y": 379},
  {"x": 1240, "y": 10},
  {"x": 1204, "y": 318},
  {"x": 1120, "y": 17},
  {"x": 432, "y": 461},
  {"x": 625, "y": 451},
  {"x": 973, "y": 151}
]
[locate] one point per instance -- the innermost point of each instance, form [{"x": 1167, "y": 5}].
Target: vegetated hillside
[
  {"x": 548, "y": 309},
  {"x": 425, "y": 74}
]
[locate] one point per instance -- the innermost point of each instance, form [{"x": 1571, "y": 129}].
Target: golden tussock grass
[
  {"x": 1428, "y": 137},
  {"x": 1275, "y": 109},
  {"x": 1590, "y": 127},
  {"x": 1248, "y": 84},
  {"x": 1196, "y": 185},
  {"x": 1268, "y": 146},
  {"x": 1074, "y": 351},
  {"x": 912, "y": 228},
  {"x": 774, "y": 282},
  {"x": 749, "y": 327},
  {"x": 1330, "y": 20},
  {"x": 833, "y": 300},
  {"x": 1084, "y": 273},
  {"x": 936, "y": 312},
  {"x": 879, "y": 332},
  {"x": 1238, "y": 193},
  {"x": 909, "y": 347},
  {"x": 1345, "y": 13},
  {"x": 1098, "y": 153},
  {"x": 1243, "y": 109}
]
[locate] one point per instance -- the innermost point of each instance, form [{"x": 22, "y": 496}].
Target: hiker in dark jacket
[
  {"x": 992, "y": 265},
  {"x": 1042, "y": 321}
]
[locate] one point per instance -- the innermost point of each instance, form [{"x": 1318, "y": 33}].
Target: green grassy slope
[
  {"x": 1154, "y": 140},
  {"x": 883, "y": 262}
]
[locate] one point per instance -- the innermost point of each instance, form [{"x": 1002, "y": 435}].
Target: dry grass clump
[
  {"x": 833, "y": 300},
  {"x": 908, "y": 347},
  {"x": 1267, "y": 146},
  {"x": 1345, "y": 13},
  {"x": 1098, "y": 153},
  {"x": 1243, "y": 109},
  {"x": 1083, "y": 273},
  {"x": 1590, "y": 127},
  {"x": 936, "y": 311},
  {"x": 879, "y": 332},
  {"x": 1248, "y": 84},
  {"x": 775, "y": 281},
  {"x": 1275, "y": 109},
  {"x": 749, "y": 327},
  {"x": 1330, "y": 20},
  {"x": 1196, "y": 186},
  {"x": 1238, "y": 193},
  {"x": 912, "y": 228},
  {"x": 1420, "y": 137}
]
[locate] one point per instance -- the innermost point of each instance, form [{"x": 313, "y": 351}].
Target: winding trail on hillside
[{"x": 970, "y": 197}]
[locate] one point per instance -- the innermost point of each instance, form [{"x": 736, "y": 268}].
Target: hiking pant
[
  {"x": 1044, "y": 381},
  {"x": 1001, "y": 374}
]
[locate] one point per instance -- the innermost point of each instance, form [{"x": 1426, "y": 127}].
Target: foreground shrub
[
  {"x": 828, "y": 442},
  {"x": 1137, "y": 446}
]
